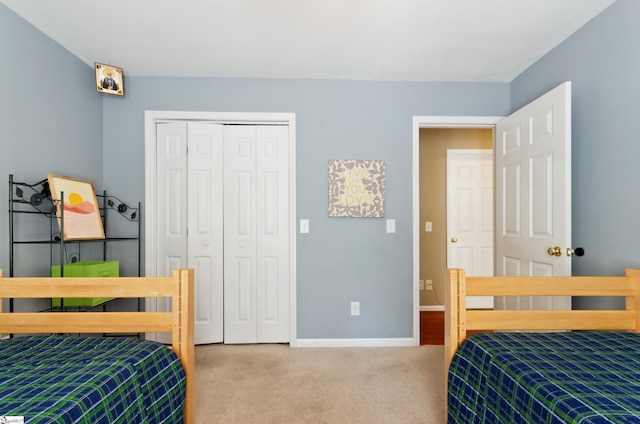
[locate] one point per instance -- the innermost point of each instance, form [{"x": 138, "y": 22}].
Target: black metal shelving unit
[{"x": 35, "y": 199}]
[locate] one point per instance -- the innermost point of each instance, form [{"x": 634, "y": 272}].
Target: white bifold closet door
[
  {"x": 256, "y": 234},
  {"x": 223, "y": 209},
  {"x": 189, "y": 216}
]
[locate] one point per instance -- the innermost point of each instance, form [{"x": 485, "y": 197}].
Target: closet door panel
[
  {"x": 239, "y": 234},
  {"x": 172, "y": 182},
  {"x": 205, "y": 223},
  {"x": 171, "y": 224},
  {"x": 272, "y": 234}
]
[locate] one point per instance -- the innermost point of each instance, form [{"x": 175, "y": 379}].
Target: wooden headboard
[
  {"x": 458, "y": 320},
  {"x": 179, "y": 322}
]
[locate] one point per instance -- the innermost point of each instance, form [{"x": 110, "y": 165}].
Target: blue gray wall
[
  {"x": 603, "y": 62},
  {"x": 342, "y": 259},
  {"x": 50, "y": 122}
]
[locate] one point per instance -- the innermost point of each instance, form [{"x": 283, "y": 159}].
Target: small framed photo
[{"x": 109, "y": 79}]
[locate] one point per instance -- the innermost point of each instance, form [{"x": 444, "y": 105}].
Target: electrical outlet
[
  {"x": 355, "y": 308},
  {"x": 428, "y": 284},
  {"x": 421, "y": 284}
]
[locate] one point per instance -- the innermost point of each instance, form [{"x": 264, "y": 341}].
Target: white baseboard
[
  {"x": 404, "y": 342},
  {"x": 432, "y": 308}
]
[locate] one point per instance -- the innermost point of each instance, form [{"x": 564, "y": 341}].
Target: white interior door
[
  {"x": 256, "y": 234},
  {"x": 470, "y": 215},
  {"x": 533, "y": 194},
  {"x": 189, "y": 217}
]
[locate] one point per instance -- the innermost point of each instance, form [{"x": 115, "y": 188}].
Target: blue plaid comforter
[
  {"x": 53, "y": 379},
  {"x": 567, "y": 377}
]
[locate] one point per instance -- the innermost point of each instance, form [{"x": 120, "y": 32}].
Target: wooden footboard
[
  {"x": 179, "y": 322},
  {"x": 458, "y": 320}
]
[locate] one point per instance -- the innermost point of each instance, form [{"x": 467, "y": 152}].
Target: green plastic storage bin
[{"x": 86, "y": 269}]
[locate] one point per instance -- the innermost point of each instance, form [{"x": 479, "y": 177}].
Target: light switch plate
[
  {"x": 391, "y": 225},
  {"x": 304, "y": 226}
]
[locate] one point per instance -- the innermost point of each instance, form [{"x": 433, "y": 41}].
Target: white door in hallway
[
  {"x": 470, "y": 215},
  {"x": 533, "y": 195}
]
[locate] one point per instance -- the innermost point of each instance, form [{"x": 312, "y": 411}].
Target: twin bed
[
  {"x": 547, "y": 375},
  {"x": 46, "y": 377},
  {"x": 591, "y": 375}
]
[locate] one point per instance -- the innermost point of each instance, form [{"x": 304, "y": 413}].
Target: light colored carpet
[{"x": 279, "y": 384}]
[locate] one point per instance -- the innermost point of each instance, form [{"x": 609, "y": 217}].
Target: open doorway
[
  {"x": 434, "y": 143},
  {"x": 433, "y": 136}
]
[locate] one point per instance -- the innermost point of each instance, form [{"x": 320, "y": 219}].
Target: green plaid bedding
[
  {"x": 566, "y": 377},
  {"x": 54, "y": 379}
]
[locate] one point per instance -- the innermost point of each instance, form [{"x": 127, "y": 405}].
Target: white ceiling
[{"x": 386, "y": 40}]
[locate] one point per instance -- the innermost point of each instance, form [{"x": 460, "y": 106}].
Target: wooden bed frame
[
  {"x": 179, "y": 322},
  {"x": 459, "y": 320}
]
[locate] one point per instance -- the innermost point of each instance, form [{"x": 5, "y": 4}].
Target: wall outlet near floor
[
  {"x": 355, "y": 308},
  {"x": 421, "y": 284},
  {"x": 428, "y": 284}
]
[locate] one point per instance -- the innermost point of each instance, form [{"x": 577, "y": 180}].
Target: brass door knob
[
  {"x": 454, "y": 240},
  {"x": 555, "y": 251}
]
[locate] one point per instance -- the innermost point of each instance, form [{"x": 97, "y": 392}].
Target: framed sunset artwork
[{"x": 82, "y": 220}]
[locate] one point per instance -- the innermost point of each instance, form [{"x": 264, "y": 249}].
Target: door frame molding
[
  {"x": 151, "y": 118},
  {"x": 432, "y": 122}
]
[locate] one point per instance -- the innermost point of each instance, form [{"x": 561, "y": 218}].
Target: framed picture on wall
[
  {"x": 76, "y": 201},
  {"x": 356, "y": 188},
  {"x": 109, "y": 79}
]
